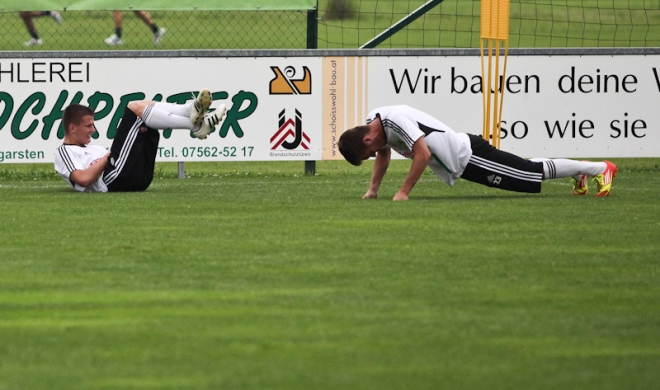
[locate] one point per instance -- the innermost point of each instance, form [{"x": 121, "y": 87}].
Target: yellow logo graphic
[{"x": 284, "y": 83}]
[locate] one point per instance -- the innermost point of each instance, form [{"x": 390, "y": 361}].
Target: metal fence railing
[
  {"x": 341, "y": 24},
  {"x": 102, "y": 30}
]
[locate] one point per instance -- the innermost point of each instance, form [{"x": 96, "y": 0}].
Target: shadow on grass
[
  {"x": 478, "y": 197},
  {"x": 457, "y": 197}
]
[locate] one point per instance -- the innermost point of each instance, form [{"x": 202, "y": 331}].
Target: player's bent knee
[{"x": 138, "y": 106}]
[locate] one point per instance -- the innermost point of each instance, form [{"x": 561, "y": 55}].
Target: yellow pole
[
  {"x": 494, "y": 29},
  {"x": 485, "y": 33},
  {"x": 484, "y": 133},
  {"x": 499, "y": 127},
  {"x": 488, "y": 87}
]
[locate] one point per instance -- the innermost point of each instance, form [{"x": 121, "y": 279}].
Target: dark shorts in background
[{"x": 495, "y": 168}]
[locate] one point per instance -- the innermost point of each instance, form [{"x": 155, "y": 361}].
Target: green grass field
[{"x": 254, "y": 276}]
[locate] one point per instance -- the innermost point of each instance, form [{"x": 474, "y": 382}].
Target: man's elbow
[
  {"x": 81, "y": 179},
  {"x": 82, "y": 183},
  {"x": 424, "y": 155}
]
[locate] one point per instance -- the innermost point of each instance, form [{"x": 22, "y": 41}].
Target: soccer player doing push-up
[
  {"x": 429, "y": 142},
  {"x": 129, "y": 166}
]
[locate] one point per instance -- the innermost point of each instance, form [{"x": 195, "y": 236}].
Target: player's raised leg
[
  {"x": 200, "y": 106},
  {"x": 210, "y": 120},
  {"x": 158, "y": 115}
]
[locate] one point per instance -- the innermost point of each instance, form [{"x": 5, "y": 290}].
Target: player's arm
[
  {"x": 421, "y": 156},
  {"x": 380, "y": 167},
  {"x": 88, "y": 176}
]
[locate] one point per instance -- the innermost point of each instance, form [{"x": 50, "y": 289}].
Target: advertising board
[{"x": 295, "y": 108}]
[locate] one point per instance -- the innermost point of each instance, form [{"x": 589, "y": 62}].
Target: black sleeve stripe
[
  {"x": 397, "y": 129},
  {"x": 64, "y": 154}
]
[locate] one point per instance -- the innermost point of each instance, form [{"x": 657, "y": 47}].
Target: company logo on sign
[
  {"x": 290, "y": 134},
  {"x": 285, "y": 82}
]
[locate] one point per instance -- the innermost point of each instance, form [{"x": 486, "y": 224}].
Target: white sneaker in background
[
  {"x": 113, "y": 40},
  {"x": 158, "y": 36},
  {"x": 33, "y": 42}
]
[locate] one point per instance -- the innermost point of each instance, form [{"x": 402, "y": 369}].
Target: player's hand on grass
[
  {"x": 371, "y": 194},
  {"x": 400, "y": 196}
]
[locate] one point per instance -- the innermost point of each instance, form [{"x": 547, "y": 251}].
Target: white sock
[
  {"x": 176, "y": 109},
  {"x": 162, "y": 119},
  {"x": 561, "y": 167}
]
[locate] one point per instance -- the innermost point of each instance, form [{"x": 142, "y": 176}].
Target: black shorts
[
  {"x": 495, "y": 168},
  {"x": 130, "y": 166}
]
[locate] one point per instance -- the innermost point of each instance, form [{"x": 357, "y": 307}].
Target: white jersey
[
  {"x": 69, "y": 158},
  {"x": 404, "y": 125}
]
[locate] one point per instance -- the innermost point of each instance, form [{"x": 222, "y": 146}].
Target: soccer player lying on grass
[
  {"x": 129, "y": 166},
  {"x": 427, "y": 141}
]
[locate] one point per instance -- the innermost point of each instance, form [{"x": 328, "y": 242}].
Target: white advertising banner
[
  {"x": 272, "y": 112},
  {"x": 295, "y": 108},
  {"x": 554, "y": 106}
]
